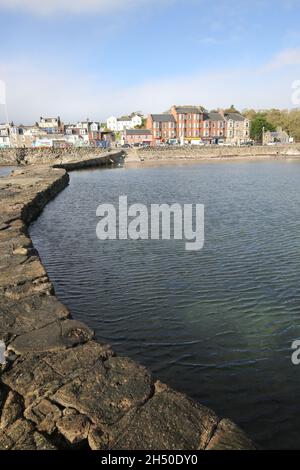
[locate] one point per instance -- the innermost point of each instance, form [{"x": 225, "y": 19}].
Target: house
[
  {"x": 237, "y": 128},
  {"x": 4, "y": 136},
  {"x": 214, "y": 127},
  {"x": 162, "y": 127},
  {"x": 30, "y": 134},
  {"x": 126, "y": 122},
  {"x": 189, "y": 121},
  {"x": 137, "y": 136},
  {"x": 277, "y": 137},
  {"x": 50, "y": 125}
]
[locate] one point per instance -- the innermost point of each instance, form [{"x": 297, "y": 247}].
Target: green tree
[
  {"x": 143, "y": 125},
  {"x": 259, "y": 123}
]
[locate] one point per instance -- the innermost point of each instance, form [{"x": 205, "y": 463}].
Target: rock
[
  {"x": 76, "y": 361},
  {"x": 75, "y": 427},
  {"x": 108, "y": 391},
  {"x": 21, "y": 434},
  {"x": 12, "y": 410},
  {"x": 42, "y": 443},
  {"x": 168, "y": 421},
  {"x": 228, "y": 436},
  {"x": 45, "y": 414},
  {"x": 38, "y": 311},
  {"x": 98, "y": 439},
  {"x": 32, "y": 378},
  {"x": 3, "y": 394},
  {"x": 58, "y": 335}
]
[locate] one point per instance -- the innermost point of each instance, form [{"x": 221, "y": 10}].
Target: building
[
  {"x": 237, "y": 128},
  {"x": 214, "y": 127},
  {"x": 4, "y": 136},
  {"x": 125, "y": 122},
  {"x": 50, "y": 125},
  {"x": 137, "y": 136},
  {"x": 162, "y": 127},
  {"x": 277, "y": 137},
  {"x": 189, "y": 122}
]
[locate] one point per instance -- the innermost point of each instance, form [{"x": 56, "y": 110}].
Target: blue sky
[{"x": 94, "y": 58}]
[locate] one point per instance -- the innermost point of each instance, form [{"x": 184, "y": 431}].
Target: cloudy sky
[{"x": 94, "y": 58}]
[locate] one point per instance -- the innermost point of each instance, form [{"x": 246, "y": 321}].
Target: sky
[{"x": 95, "y": 58}]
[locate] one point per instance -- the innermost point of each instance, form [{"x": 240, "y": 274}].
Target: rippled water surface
[{"x": 217, "y": 324}]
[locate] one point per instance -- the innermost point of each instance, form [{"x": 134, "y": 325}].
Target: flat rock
[
  {"x": 74, "y": 427},
  {"x": 38, "y": 311},
  {"x": 108, "y": 391},
  {"x": 76, "y": 361},
  {"x": 32, "y": 378},
  {"x": 168, "y": 421},
  {"x": 228, "y": 436},
  {"x": 53, "y": 337}
]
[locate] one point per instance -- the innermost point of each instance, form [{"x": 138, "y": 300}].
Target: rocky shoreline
[{"x": 59, "y": 387}]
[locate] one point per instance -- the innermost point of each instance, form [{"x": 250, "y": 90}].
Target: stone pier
[{"x": 60, "y": 388}]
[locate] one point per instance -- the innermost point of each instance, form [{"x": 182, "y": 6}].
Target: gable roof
[
  {"x": 189, "y": 109},
  {"x": 235, "y": 117},
  {"x": 163, "y": 117},
  {"x": 213, "y": 117}
]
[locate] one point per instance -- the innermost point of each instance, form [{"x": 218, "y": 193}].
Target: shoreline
[{"x": 61, "y": 388}]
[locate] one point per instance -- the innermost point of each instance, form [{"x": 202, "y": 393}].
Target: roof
[
  {"x": 189, "y": 109},
  {"x": 213, "y": 117},
  {"x": 50, "y": 119},
  {"x": 138, "y": 132},
  {"x": 235, "y": 117},
  {"x": 125, "y": 118},
  {"x": 163, "y": 117}
]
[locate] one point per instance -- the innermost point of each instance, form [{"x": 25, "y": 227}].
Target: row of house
[
  {"x": 194, "y": 123},
  {"x": 189, "y": 124},
  {"x": 181, "y": 124},
  {"x": 52, "y": 132}
]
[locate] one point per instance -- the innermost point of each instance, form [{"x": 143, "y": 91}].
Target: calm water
[
  {"x": 217, "y": 324},
  {"x": 6, "y": 170}
]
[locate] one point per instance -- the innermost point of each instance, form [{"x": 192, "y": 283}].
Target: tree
[
  {"x": 143, "y": 125},
  {"x": 259, "y": 123},
  {"x": 232, "y": 109}
]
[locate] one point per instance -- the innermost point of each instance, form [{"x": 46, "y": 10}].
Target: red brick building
[
  {"x": 189, "y": 121},
  {"x": 137, "y": 136},
  {"x": 214, "y": 127}
]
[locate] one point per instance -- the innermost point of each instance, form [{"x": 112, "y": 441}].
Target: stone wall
[
  {"x": 214, "y": 151},
  {"x": 62, "y": 389},
  {"x": 47, "y": 155}
]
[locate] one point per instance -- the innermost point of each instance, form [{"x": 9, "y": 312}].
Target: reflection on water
[{"x": 217, "y": 324}]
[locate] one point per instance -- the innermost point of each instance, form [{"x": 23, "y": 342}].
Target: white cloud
[
  {"x": 285, "y": 58},
  {"x": 33, "y": 91},
  {"x": 45, "y": 7}
]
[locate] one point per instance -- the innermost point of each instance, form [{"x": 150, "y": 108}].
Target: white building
[
  {"x": 237, "y": 128},
  {"x": 87, "y": 126},
  {"x": 50, "y": 125},
  {"x": 4, "y": 136},
  {"x": 123, "y": 123}
]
